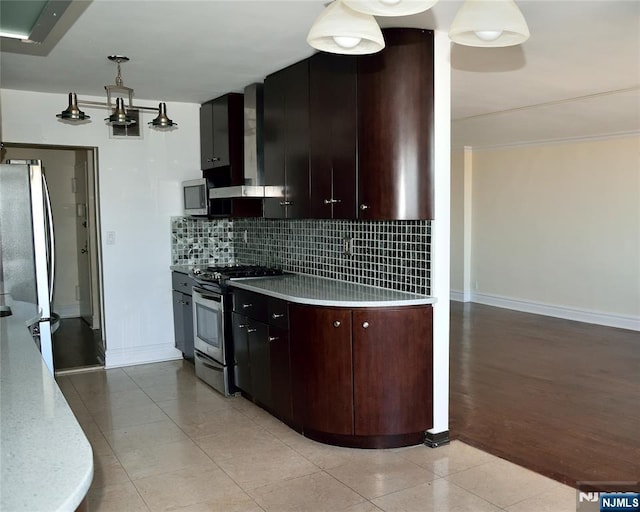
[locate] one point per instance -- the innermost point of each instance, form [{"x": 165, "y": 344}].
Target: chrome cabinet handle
[
  {"x": 273, "y": 338},
  {"x": 332, "y": 201},
  {"x": 245, "y": 306},
  {"x": 241, "y": 326},
  {"x": 336, "y": 323},
  {"x": 286, "y": 203},
  {"x": 365, "y": 324},
  {"x": 214, "y": 159},
  {"x": 252, "y": 330},
  {"x": 364, "y": 207},
  {"x": 275, "y": 316}
]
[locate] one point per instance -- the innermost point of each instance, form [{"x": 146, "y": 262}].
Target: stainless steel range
[{"x": 213, "y": 344}]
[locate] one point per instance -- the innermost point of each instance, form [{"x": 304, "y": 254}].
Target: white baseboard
[
  {"x": 67, "y": 310},
  {"x": 140, "y": 355},
  {"x": 579, "y": 315},
  {"x": 460, "y": 296}
]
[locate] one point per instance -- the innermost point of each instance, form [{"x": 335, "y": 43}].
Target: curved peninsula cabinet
[
  {"x": 362, "y": 377},
  {"x": 359, "y": 370}
]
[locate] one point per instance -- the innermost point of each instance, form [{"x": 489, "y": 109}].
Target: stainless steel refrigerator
[{"x": 26, "y": 244}]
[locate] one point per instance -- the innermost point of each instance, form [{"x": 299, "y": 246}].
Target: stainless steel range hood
[{"x": 253, "y": 152}]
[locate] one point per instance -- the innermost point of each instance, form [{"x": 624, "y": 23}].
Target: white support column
[{"x": 440, "y": 236}]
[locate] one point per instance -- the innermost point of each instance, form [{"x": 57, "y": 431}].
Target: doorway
[{"x": 71, "y": 172}]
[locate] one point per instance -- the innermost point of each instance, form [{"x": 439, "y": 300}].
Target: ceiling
[{"x": 577, "y": 76}]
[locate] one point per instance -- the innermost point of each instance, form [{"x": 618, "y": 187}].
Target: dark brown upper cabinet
[
  {"x": 286, "y": 141},
  {"x": 333, "y": 135},
  {"x": 396, "y": 128},
  {"x": 222, "y": 136}
]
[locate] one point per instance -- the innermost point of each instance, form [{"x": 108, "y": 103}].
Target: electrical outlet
[
  {"x": 111, "y": 238},
  {"x": 347, "y": 246}
]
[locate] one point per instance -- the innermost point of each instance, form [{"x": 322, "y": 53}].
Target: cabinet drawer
[
  {"x": 278, "y": 313},
  {"x": 181, "y": 282},
  {"x": 252, "y": 305}
]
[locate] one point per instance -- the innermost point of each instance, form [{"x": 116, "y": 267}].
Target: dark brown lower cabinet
[
  {"x": 280, "y": 372},
  {"x": 362, "y": 377},
  {"x": 322, "y": 371},
  {"x": 392, "y": 368}
]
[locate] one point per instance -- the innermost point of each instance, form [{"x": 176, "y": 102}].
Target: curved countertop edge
[
  {"x": 46, "y": 459},
  {"x": 305, "y": 289}
]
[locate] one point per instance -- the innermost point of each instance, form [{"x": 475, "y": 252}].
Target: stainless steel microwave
[
  {"x": 196, "y": 201},
  {"x": 195, "y": 197}
]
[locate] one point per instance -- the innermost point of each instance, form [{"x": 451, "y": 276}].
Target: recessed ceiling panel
[{"x": 30, "y": 20}]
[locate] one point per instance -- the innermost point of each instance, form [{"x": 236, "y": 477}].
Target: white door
[{"x": 82, "y": 232}]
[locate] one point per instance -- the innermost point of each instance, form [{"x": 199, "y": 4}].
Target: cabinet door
[
  {"x": 178, "y": 320},
  {"x": 286, "y": 141},
  {"x": 297, "y": 140},
  {"x": 393, "y": 369},
  {"x": 258, "y": 336},
  {"x": 241, "y": 353},
  {"x": 206, "y": 136},
  {"x": 395, "y": 128},
  {"x": 321, "y": 366},
  {"x": 280, "y": 372},
  {"x": 187, "y": 315},
  {"x": 333, "y": 135},
  {"x": 274, "y": 141},
  {"x": 220, "y": 123},
  {"x": 222, "y": 138}
]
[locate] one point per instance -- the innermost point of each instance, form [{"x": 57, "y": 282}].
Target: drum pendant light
[
  {"x": 489, "y": 23},
  {"x": 390, "y": 7},
  {"x": 342, "y": 30}
]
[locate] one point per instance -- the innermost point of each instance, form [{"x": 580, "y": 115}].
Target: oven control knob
[{"x": 196, "y": 271}]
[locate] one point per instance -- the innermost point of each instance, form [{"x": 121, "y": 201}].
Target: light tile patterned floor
[{"x": 163, "y": 440}]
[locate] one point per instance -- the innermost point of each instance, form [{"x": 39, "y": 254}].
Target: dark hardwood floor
[
  {"x": 76, "y": 345},
  {"x": 559, "y": 397}
]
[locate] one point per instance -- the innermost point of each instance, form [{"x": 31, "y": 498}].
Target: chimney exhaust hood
[{"x": 253, "y": 152}]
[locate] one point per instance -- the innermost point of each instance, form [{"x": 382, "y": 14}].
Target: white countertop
[
  {"x": 46, "y": 462},
  {"x": 183, "y": 269},
  {"x": 306, "y": 289}
]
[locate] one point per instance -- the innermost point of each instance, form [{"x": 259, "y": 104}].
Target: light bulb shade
[
  {"x": 390, "y": 7},
  {"x": 478, "y": 21},
  {"x": 72, "y": 112},
  {"x": 120, "y": 116},
  {"x": 337, "y": 23},
  {"x": 162, "y": 121}
]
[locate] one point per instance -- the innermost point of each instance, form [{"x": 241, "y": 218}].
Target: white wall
[
  {"x": 139, "y": 190},
  {"x": 556, "y": 229}
]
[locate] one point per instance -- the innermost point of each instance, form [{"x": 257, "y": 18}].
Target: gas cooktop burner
[{"x": 219, "y": 273}]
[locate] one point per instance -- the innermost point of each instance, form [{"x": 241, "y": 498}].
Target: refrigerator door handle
[{"x": 50, "y": 238}]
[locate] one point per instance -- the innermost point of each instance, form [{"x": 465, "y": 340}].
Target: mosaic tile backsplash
[{"x": 394, "y": 254}]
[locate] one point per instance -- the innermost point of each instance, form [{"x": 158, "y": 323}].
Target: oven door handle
[
  {"x": 207, "y": 296},
  {"x": 204, "y": 362}
]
